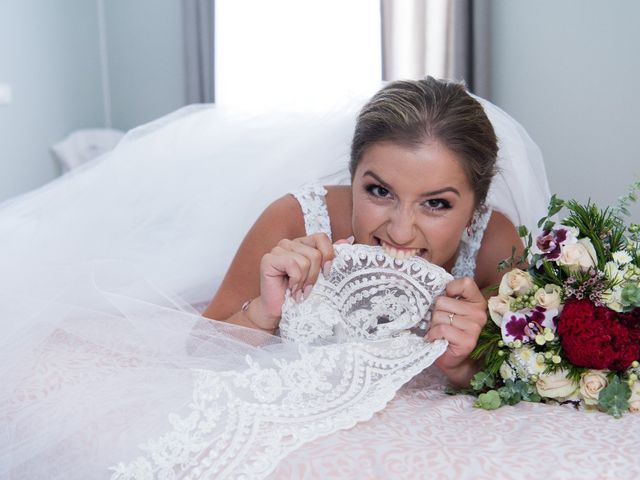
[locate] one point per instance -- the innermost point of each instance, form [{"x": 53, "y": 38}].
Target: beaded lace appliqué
[
  {"x": 311, "y": 198},
  {"x": 472, "y": 238}
]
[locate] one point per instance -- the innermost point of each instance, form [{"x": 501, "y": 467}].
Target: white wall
[
  {"x": 48, "y": 54},
  {"x": 568, "y": 70}
]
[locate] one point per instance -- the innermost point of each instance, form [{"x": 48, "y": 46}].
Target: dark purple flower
[
  {"x": 550, "y": 242},
  {"x": 515, "y": 327}
]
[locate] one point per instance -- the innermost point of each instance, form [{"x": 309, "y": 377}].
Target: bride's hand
[
  {"x": 458, "y": 316},
  {"x": 292, "y": 264}
]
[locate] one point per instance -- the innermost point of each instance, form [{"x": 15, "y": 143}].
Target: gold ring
[{"x": 451, "y": 315}]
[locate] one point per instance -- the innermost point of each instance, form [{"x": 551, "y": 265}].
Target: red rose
[{"x": 596, "y": 337}]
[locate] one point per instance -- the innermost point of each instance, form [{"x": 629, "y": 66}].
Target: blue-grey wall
[
  {"x": 145, "y": 59},
  {"x": 48, "y": 54},
  {"x": 568, "y": 70}
]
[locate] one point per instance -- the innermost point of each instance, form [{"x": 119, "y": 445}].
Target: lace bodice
[{"x": 316, "y": 219}]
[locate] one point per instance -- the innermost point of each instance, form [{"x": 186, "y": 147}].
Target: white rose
[
  {"x": 516, "y": 282},
  {"x": 591, "y": 383},
  {"x": 634, "y": 400},
  {"x": 549, "y": 296},
  {"x": 556, "y": 385},
  {"x": 498, "y": 306},
  {"x": 579, "y": 256}
]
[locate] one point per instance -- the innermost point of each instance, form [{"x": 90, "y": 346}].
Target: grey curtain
[
  {"x": 198, "y": 21},
  {"x": 442, "y": 38}
]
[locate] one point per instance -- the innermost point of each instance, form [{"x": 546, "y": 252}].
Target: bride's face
[{"x": 412, "y": 201}]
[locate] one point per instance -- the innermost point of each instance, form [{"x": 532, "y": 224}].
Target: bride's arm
[
  {"x": 497, "y": 243},
  {"x": 282, "y": 219}
]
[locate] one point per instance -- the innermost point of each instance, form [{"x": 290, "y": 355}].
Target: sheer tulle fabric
[{"x": 104, "y": 271}]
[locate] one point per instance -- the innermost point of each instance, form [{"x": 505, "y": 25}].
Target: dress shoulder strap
[
  {"x": 465, "y": 265},
  {"x": 311, "y": 198}
]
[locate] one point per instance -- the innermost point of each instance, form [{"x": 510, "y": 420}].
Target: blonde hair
[{"x": 414, "y": 112}]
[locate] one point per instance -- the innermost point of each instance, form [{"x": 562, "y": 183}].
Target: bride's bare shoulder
[{"x": 339, "y": 205}]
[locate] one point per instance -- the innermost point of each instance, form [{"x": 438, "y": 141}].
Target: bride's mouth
[{"x": 398, "y": 252}]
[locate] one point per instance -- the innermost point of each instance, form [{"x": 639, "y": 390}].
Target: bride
[{"x": 105, "y": 373}]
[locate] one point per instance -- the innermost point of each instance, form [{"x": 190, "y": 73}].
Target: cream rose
[
  {"x": 506, "y": 372},
  {"x": 498, "y": 306},
  {"x": 634, "y": 400},
  {"x": 579, "y": 256},
  {"x": 556, "y": 385},
  {"x": 516, "y": 282},
  {"x": 549, "y": 296},
  {"x": 591, "y": 383}
]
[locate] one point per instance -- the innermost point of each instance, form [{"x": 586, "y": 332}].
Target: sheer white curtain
[{"x": 442, "y": 38}]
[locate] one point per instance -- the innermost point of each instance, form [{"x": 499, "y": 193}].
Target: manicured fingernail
[
  {"x": 351, "y": 239},
  {"x": 297, "y": 296},
  {"x": 326, "y": 268},
  {"x": 307, "y": 291}
]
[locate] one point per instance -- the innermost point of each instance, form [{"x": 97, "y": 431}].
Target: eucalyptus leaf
[
  {"x": 614, "y": 398},
  {"x": 488, "y": 401}
]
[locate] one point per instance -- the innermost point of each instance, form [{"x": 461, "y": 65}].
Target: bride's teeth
[{"x": 399, "y": 254}]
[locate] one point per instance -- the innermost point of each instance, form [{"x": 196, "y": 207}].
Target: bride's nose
[{"x": 401, "y": 226}]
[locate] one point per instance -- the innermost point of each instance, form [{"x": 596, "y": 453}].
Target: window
[{"x": 306, "y": 53}]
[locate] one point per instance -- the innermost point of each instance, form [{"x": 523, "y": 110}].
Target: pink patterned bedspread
[{"x": 425, "y": 434}]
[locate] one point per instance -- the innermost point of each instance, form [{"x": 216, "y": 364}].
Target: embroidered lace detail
[
  {"x": 367, "y": 295},
  {"x": 314, "y": 208},
  {"x": 240, "y": 424},
  {"x": 465, "y": 265}
]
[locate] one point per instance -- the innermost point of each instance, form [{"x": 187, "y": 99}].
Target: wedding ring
[{"x": 451, "y": 315}]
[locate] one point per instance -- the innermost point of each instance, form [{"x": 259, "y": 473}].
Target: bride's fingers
[
  {"x": 455, "y": 320},
  {"x": 312, "y": 266},
  {"x": 348, "y": 241},
  {"x": 465, "y": 289},
  {"x": 461, "y": 342},
  {"x": 290, "y": 266}
]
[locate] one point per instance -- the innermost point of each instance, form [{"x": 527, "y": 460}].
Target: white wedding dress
[{"x": 107, "y": 368}]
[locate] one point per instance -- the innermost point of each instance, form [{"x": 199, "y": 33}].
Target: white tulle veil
[{"x": 103, "y": 271}]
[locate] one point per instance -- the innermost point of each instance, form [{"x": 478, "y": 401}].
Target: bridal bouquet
[{"x": 566, "y": 329}]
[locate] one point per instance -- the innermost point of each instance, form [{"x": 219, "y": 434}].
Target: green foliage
[
  {"x": 487, "y": 348},
  {"x": 632, "y": 195},
  {"x": 481, "y": 380},
  {"x": 516, "y": 391},
  {"x": 488, "y": 401},
  {"x": 614, "y": 398},
  {"x": 630, "y": 295}
]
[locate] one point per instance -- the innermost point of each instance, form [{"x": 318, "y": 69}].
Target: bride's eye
[
  {"x": 378, "y": 191},
  {"x": 437, "y": 204}
]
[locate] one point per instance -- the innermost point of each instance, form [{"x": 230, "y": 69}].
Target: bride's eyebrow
[
  {"x": 426, "y": 194},
  {"x": 378, "y": 179}
]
